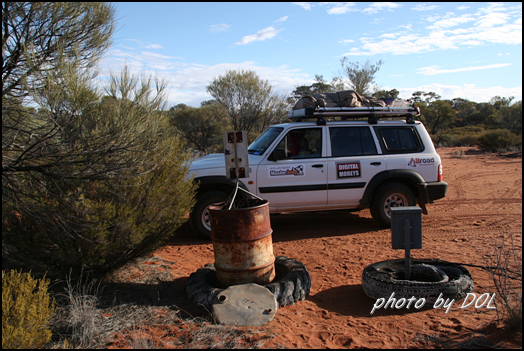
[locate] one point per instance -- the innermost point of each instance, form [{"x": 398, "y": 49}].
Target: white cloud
[
  {"x": 304, "y": 5},
  {"x": 432, "y": 70},
  {"x": 389, "y": 35},
  {"x": 451, "y": 22},
  {"x": 346, "y": 41},
  {"x": 154, "y": 46},
  {"x": 189, "y": 84},
  {"x": 261, "y": 35},
  {"x": 473, "y": 31},
  {"x": 493, "y": 23},
  {"x": 145, "y": 45},
  {"x": 406, "y": 26},
  {"x": 492, "y": 19},
  {"x": 380, "y": 6},
  {"x": 466, "y": 91},
  {"x": 222, "y": 27},
  {"x": 115, "y": 59},
  {"x": 282, "y": 19},
  {"x": 424, "y": 7},
  {"x": 492, "y": 7},
  {"x": 188, "y": 81},
  {"x": 340, "y": 8}
]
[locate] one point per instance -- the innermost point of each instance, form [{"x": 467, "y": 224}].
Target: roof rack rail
[{"x": 373, "y": 113}]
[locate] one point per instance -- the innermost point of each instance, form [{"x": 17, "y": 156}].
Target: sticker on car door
[
  {"x": 348, "y": 170},
  {"x": 287, "y": 171}
]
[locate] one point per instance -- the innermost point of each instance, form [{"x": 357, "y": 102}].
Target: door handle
[
  {"x": 376, "y": 163},
  {"x": 318, "y": 166}
]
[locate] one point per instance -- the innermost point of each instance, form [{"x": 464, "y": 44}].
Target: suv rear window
[
  {"x": 399, "y": 139},
  {"x": 351, "y": 141}
]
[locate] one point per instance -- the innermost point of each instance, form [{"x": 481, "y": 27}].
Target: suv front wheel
[
  {"x": 387, "y": 196},
  {"x": 199, "y": 219}
]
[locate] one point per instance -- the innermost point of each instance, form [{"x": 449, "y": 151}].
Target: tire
[
  {"x": 291, "y": 284},
  {"x": 387, "y": 196},
  {"x": 430, "y": 278},
  {"x": 199, "y": 217}
]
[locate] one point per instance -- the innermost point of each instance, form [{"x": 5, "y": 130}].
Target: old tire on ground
[
  {"x": 199, "y": 218},
  {"x": 291, "y": 284},
  {"x": 435, "y": 277},
  {"x": 387, "y": 196}
]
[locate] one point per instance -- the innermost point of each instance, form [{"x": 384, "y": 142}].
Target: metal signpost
[
  {"x": 235, "y": 151},
  {"x": 406, "y": 232}
]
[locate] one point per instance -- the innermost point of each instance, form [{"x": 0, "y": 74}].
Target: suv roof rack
[{"x": 373, "y": 113}]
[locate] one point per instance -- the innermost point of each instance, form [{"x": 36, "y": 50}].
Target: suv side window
[
  {"x": 351, "y": 141},
  {"x": 302, "y": 143},
  {"x": 399, "y": 139}
]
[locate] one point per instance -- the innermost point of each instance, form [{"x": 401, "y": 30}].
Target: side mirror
[{"x": 277, "y": 154}]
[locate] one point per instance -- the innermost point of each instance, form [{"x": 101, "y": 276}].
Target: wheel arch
[
  {"x": 411, "y": 179},
  {"x": 218, "y": 183}
]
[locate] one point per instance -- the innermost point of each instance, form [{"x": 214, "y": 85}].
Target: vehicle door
[
  {"x": 353, "y": 163},
  {"x": 299, "y": 180}
]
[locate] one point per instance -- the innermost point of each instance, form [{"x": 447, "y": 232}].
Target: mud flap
[{"x": 423, "y": 197}]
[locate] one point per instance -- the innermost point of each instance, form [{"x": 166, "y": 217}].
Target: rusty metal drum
[{"x": 242, "y": 243}]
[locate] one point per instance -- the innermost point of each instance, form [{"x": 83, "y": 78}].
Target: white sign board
[{"x": 235, "y": 153}]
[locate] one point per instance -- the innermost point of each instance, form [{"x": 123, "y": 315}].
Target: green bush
[
  {"x": 108, "y": 222},
  {"x": 461, "y": 136},
  {"x": 499, "y": 140},
  {"x": 26, "y": 310}
]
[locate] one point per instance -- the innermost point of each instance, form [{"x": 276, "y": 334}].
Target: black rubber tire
[
  {"x": 291, "y": 284},
  {"x": 198, "y": 219},
  {"x": 390, "y": 195},
  {"x": 381, "y": 279}
]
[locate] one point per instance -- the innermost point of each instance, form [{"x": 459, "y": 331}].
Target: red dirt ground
[{"x": 484, "y": 200}]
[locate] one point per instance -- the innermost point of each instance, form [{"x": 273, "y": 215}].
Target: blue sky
[{"x": 468, "y": 50}]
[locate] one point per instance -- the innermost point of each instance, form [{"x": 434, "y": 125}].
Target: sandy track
[{"x": 484, "y": 200}]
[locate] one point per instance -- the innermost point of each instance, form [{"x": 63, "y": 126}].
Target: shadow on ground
[{"x": 297, "y": 226}]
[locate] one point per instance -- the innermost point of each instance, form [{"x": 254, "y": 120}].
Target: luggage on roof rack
[{"x": 372, "y": 113}]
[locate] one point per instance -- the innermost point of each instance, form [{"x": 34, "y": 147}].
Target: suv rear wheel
[
  {"x": 199, "y": 219},
  {"x": 387, "y": 196}
]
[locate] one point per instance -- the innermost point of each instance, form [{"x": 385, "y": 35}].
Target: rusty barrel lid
[{"x": 247, "y": 304}]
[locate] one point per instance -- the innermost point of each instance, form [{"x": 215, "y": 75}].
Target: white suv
[{"x": 330, "y": 165}]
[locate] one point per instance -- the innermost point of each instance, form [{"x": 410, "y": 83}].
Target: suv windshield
[{"x": 260, "y": 145}]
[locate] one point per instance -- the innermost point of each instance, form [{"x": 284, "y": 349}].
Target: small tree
[
  {"x": 360, "y": 78},
  {"x": 199, "y": 126},
  {"x": 511, "y": 117},
  {"x": 387, "y": 94},
  {"x": 438, "y": 116},
  {"x": 499, "y": 102},
  {"x": 247, "y": 101},
  {"x": 37, "y": 36},
  {"x": 424, "y": 98},
  {"x": 320, "y": 86}
]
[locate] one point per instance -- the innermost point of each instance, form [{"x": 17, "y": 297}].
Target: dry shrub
[
  {"x": 26, "y": 310},
  {"x": 503, "y": 262},
  {"x": 457, "y": 154},
  {"x": 80, "y": 323},
  {"x": 88, "y": 318}
]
